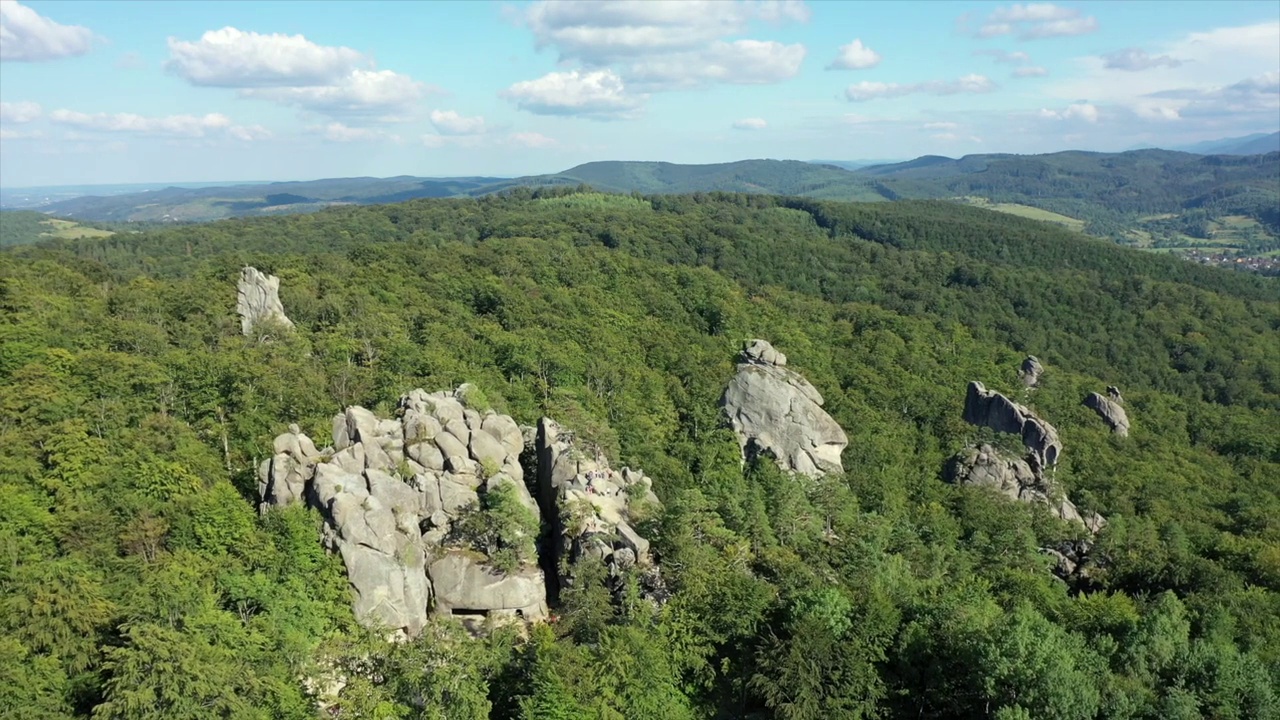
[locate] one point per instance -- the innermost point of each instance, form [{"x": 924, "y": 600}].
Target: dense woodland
[{"x": 139, "y": 581}]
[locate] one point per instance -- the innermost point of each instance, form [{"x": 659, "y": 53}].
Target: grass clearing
[
  {"x": 71, "y": 230},
  {"x": 1026, "y": 211}
]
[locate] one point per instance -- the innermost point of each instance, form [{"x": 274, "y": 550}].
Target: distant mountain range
[
  {"x": 1139, "y": 196},
  {"x": 1256, "y": 144}
]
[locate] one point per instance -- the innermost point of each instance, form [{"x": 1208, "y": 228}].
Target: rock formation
[
  {"x": 258, "y": 299},
  {"x": 984, "y": 466},
  {"x": 987, "y": 408},
  {"x": 775, "y": 410},
  {"x": 1031, "y": 371},
  {"x": 1110, "y": 410},
  {"x": 592, "y": 509},
  {"x": 391, "y": 490}
]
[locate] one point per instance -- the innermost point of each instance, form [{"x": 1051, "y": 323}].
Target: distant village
[{"x": 1262, "y": 264}]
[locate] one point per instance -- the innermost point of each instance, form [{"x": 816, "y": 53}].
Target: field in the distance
[
  {"x": 71, "y": 230},
  {"x": 1026, "y": 211}
]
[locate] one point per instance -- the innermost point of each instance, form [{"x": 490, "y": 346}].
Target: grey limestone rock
[
  {"x": 592, "y": 509},
  {"x": 1110, "y": 410},
  {"x": 986, "y": 467},
  {"x": 1031, "y": 371},
  {"x": 986, "y": 408},
  {"x": 389, "y": 489},
  {"x": 258, "y": 299},
  {"x": 775, "y": 410}
]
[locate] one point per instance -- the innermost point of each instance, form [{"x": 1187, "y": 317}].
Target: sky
[{"x": 148, "y": 92}]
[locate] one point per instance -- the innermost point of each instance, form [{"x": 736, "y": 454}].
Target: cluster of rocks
[
  {"x": 258, "y": 300},
  {"x": 592, "y": 509},
  {"x": 389, "y": 491},
  {"x": 1024, "y": 479},
  {"x": 1110, "y": 410},
  {"x": 776, "y": 411},
  {"x": 393, "y": 493}
]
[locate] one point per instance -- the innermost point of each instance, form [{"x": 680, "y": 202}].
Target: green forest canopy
[{"x": 140, "y": 583}]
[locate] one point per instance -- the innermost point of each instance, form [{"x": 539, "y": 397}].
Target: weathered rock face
[
  {"x": 984, "y": 466},
  {"x": 1109, "y": 410},
  {"x": 1031, "y": 371},
  {"x": 592, "y": 508},
  {"x": 389, "y": 491},
  {"x": 258, "y": 299},
  {"x": 987, "y": 408},
  {"x": 776, "y": 410}
]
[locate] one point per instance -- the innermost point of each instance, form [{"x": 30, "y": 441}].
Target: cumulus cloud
[
  {"x": 1006, "y": 57},
  {"x": 183, "y": 126},
  {"x": 940, "y": 126},
  {"x": 370, "y": 94},
  {"x": 967, "y": 84},
  {"x": 233, "y": 58},
  {"x": 741, "y": 62},
  {"x": 600, "y": 95},
  {"x": 750, "y": 124},
  {"x": 1260, "y": 93},
  {"x": 19, "y": 112},
  {"x": 661, "y": 45},
  {"x": 1134, "y": 59},
  {"x": 1030, "y": 71},
  {"x": 1033, "y": 21},
  {"x": 855, "y": 56},
  {"x": 449, "y": 122},
  {"x": 1076, "y": 111},
  {"x": 291, "y": 70},
  {"x": 28, "y": 36}
]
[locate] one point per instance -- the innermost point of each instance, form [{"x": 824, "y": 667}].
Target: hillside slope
[{"x": 139, "y": 580}]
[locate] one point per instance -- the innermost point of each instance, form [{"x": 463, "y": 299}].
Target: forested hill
[
  {"x": 139, "y": 581},
  {"x": 1108, "y": 191}
]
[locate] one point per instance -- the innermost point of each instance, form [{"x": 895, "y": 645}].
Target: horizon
[{"x": 95, "y": 95}]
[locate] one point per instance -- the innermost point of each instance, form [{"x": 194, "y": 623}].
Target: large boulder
[
  {"x": 1111, "y": 411},
  {"x": 987, "y": 408},
  {"x": 775, "y": 410},
  {"x": 390, "y": 489},
  {"x": 592, "y": 509},
  {"x": 258, "y": 299}
]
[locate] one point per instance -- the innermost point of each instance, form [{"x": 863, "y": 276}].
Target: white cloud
[
  {"x": 1076, "y": 111},
  {"x": 1006, "y": 57},
  {"x": 233, "y": 58},
  {"x": 874, "y": 90},
  {"x": 657, "y": 45},
  {"x": 598, "y": 34},
  {"x": 741, "y": 62},
  {"x": 940, "y": 126},
  {"x": 19, "y": 112},
  {"x": 945, "y": 136},
  {"x": 340, "y": 133},
  {"x": 291, "y": 70},
  {"x": 531, "y": 140},
  {"x": 372, "y": 94},
  {"x": 1134, "y": 59},
  {"x": 7, "y": 134},
  {"x": 187, "y": 126},
  {"x": 750, "y": 124},
  {"x": 449, "y": 122},
  {"x": 1030, "y": 71},
  {"x": 600, "y": 95},
  {"x": 855, "y": 56},
  {"x": 28, "y": 36},
  {"x": 1036, "y": 20}
]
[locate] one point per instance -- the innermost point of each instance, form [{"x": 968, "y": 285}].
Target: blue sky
[{"x": 116, "y": 92}]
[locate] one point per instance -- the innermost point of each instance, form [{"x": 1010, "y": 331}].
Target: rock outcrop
[
  {"x": 258, "y": 299},
  {"x": 984, "y": 466},
  {"x": 390, "y": 492},
  {"x": 987, "y": 408},
  {"x": 1031, "y": 371},
  {"x": 1110, "y": 410},
  {"x": 592, "y": 510},
  {"x": 775, "y": 410}
]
